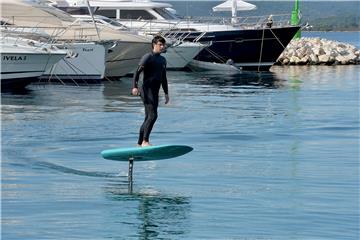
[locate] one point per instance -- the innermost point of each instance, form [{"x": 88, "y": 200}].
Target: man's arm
[
  {"x": 164, "y": 84},
  {"x": 135, "y": 90},
  {"x": 137, "y": 73}
]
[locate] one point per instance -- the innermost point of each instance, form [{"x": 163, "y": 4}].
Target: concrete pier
[{"x": 319, "y": 51}]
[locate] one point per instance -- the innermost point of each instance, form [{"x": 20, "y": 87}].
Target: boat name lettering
[
  {"x": 88, "y": 49},
  {"x": 14, "y": 58}
]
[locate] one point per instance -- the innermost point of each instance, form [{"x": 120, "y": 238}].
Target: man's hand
[
  {"x": 135, "y": 91},
  {"x": 167, "y": 99}
]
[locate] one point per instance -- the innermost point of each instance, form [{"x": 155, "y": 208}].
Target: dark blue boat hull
[{"x": 253, "y": 49}]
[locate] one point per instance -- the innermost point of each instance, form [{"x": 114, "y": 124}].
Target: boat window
[
  {"x": 165, "y": 13},
  {"x": 75, "y": 10},
  {"x": 5, "y": 23},
  {"x": 112, "y": 22},
  {"x": 91, "y": 21},
  {"x": 136, "y": 14},
  {"x": 183, "y": 30},
  {"x": 106, "y": 13}
]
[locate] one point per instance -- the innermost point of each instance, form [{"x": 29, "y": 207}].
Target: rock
[
  {"x": 304, "y": 60},
  {"x": 333, "y": 54},
  {"x": 319, "y": 51},
  {"x": 340, "y": 58},
  {"x": 324, "y": 58},
  {"x": 308, "y": 51},
  {"x": 294, "y": 60},
  {"x": 351, "y": 58},
  {"x": 314, "y": 59},
  {"x": 285, "y": 61},
  {"x": 343, "y": 52}
]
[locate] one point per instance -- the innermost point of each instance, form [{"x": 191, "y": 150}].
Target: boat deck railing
[
  {"x": 247, "y": 22},
  {"x": 148, "y": 26},
  {"x": 55, "y": 30}
]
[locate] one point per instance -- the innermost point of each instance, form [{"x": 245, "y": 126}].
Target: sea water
[{"x": 276, "y": 156}]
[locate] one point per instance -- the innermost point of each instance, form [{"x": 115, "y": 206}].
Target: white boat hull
[
  {"x": 84, "y": 61},
  {"x": 27, "y": 65},
  {"x": 196, "y": 65},
  {"x": 23, "y": 65},
  {"x": 123, "y": 57},
  {"x": 25, "y": 59},
  {"x": 178, "y": 56}
]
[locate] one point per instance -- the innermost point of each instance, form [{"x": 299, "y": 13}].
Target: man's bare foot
[{"x": 145, "y": 144}]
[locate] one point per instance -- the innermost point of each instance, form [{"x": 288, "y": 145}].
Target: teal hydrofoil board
[{"x": 150, "y": 153}]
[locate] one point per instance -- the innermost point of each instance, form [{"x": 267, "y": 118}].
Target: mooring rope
[
  {"x": 277, "y": 38},
  {"x": 217, "y": 56},
  {"x": 262, "y": 43}
]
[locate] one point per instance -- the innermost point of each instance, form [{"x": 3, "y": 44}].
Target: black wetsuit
[{"x": 154, "y": 67}]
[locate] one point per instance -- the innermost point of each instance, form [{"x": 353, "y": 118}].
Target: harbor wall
[{"x": 318, "y": 51}]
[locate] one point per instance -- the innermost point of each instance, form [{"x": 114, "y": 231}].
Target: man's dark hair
[{"x": 157, "y": 39}]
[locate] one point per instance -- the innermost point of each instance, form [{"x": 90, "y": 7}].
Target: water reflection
[
  {"x": 319, "y": 76},
  {"x": 118, "y": 95},
  {"x": 159, "y": 216},
  {"x": 255, "y": 79},
  {"x": 39, "y": 96},
  {"x": 16, "y": 91}
]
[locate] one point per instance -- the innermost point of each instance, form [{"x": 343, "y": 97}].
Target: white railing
[
  {"x": 279, "y": 20},
  {"x": 74, "y": 30},
  {"x": 188, "y": 23}
]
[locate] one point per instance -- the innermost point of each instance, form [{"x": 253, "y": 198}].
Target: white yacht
[
  {"x": 254, "y": 46},
  {"x": 123, "y": 50},
  {"x": 23, "y": 60},
  {"x": 200, "y": 66},
  {"x": 85, "y": 61},
  {"x": 101, "y": 21},
  {"x": 178, "y": 54}
]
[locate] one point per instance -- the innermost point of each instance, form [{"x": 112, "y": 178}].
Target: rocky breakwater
[{"x": 317, "y": 51}]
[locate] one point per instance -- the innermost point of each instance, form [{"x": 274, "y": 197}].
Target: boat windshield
[
  {"x": 166, "y": 14},
  {"x": 112, "y": 22}
]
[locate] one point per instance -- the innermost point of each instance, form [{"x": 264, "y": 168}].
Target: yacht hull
[
  {"x": 253, "y": 49},
  {"x": 26, "y": 65},
  {"x": 20, "y": 69},
  {"x": 85, "y": 61},
  {"x": 122, "y": 58},
  {"x": 200, "y": 66},
  {"x": 178, "y": 56}
]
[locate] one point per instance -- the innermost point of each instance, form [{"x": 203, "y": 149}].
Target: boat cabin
[{"x": 126, "y": 10}]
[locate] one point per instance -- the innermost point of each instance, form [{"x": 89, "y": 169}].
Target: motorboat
[
  {"x": 101, "y": 21},
  {"x": 178, "y": 53},
  {"x": 123, "y": 50},
  {"x": 200, "y": 66},
  {"x": 85, "y": 63},
  {"x": 24, "y": 60},
  {"x": 250, "y": 45}
]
